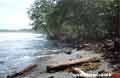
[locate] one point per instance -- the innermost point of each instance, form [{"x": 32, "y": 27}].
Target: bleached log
[
  {"x": 87, "y": 75},
  {"x": 23, "y": 71},
  {"x": 71, "y": 62}
]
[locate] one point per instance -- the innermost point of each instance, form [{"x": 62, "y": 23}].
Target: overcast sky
[{"x": 13, "y": 14}]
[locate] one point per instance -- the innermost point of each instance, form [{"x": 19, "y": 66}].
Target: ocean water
[{"x": 19, "y": 48}]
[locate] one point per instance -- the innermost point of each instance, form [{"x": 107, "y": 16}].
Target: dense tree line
[
  {"x": 86, "y": 19},
  {"x": 79, "y": 19}
]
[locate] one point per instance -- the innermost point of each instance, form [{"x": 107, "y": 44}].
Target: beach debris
[
  {"x": 68, "y": 63},
  {"x": 89, "y": 66},
  {"x": 87, "y": 75},
  {"x": 23, "y": 71}
]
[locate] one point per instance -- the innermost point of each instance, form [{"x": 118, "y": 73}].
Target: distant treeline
[{"x": 21, "y": 30}]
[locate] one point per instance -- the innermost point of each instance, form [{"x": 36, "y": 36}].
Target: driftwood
[
  {"x": 86, "y": 75},
  {"x": 23, "y": 72},
  {"x": 70, "y": 62}
]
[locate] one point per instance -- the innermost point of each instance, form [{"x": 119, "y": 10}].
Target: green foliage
[
  {"x": 38, "y": 14},
  {"x": 86, "y": 19}
]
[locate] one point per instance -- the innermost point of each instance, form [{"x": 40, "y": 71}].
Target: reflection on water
[{"x": 17, "y": 49}]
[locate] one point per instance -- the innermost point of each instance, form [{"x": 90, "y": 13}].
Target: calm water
[{"x": 18, "y": 49}]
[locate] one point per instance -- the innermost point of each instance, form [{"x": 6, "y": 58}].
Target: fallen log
[
  {"x": 23, "y": 72},
  {"x": 86, "y": 75},
  {"x": 70, "y": 62}
]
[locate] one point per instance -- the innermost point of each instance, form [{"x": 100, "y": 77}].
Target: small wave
[{"x": 42, "y": 56}]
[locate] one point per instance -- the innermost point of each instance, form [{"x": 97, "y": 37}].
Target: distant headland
[{"x": 21, "y": 30}]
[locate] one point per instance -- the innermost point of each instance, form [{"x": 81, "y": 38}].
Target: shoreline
[{"x": 60, "y": 56}]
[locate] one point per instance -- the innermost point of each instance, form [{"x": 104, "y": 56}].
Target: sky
[{"x": 13, "y": 14}]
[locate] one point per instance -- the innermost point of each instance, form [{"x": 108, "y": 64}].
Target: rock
[
  {"x": 101, "y": 71},
  {"x": 74, "y": 50},
  {"x": 51, "y": 76},
  {"x": 1, "y": 62},
  {"x": 67, "y": 51}
]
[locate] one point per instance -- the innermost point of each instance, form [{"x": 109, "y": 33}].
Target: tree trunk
[
  {"x": 68, "y": 63},
  {"x": 23, "y": 71}
]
